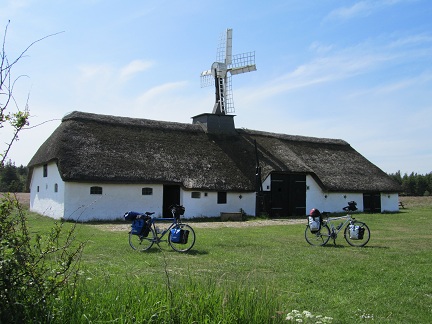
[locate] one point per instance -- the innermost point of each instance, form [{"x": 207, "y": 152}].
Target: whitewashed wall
[
  {"x": 74, "y": 201},
  {"x": 389, "y": 202},
  {"x": 207, "y": 206},
  {"x": 44, "y": 199},
  {"x": 330, "y": 202},
  {"x": 115, "y": 200}
]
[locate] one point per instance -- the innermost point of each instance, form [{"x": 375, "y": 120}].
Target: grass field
[{"x": 257, "y": 275}]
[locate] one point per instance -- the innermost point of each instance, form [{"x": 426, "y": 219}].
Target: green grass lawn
[{"x": 256, "y": 275}]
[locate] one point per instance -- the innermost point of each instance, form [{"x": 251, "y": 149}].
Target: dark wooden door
[
  {"x": 372, "y": 202},
  {"x": 171, "y": 195},
  {"x": 288, "y": 195}
]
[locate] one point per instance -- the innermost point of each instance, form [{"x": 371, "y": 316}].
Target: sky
[{"x": 359, "y": 70}]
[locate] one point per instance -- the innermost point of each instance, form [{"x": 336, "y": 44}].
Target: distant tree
[
  {"x": 12, "y": 178},
  {"x": 9, "y": 178},
  {"x": 414, "y": 184},
  {"x": 396, "y": 176}
]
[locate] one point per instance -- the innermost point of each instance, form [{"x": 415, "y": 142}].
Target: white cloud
[
  {"x": 361, "y": 9},
  {"x": 331, "y": 64},
  {"x": 160, "y": 92},
  {"x": 89, "y": 72},
  {"x": 133, "y": 68}
]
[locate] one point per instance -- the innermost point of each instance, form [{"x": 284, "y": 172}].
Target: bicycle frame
[
  {"x": 335, "y": 230},
  {"x": 159, "y": 236}
]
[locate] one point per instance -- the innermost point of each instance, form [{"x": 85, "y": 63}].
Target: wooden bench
[
  {"x": 401, "y": 204},
  {"x": 231, "y": 217}
]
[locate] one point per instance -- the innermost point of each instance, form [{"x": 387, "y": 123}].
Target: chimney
[{"x": 216, "y": 124}]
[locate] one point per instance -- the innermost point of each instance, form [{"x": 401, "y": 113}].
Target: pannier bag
[
  {"x": 315, "y": 220},
  {"x": 356, "y": 232},
  {"x": 140, "y": 227},
  {"x": 137, "y": 226},
  {"x": 131, "y": 215},
  {"x": 314, "y": 224},
  {"x": 179, "y": 235}
]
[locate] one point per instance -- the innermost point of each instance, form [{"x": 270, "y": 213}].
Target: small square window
[
  {"x": 195, "y": 194},
  {"x": 95, "y": 190},
  {"x": 147, "y": 191}
]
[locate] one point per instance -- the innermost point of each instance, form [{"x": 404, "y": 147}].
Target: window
[
  {"x": 37, "y": 188},
  {"x": 222, "y": 197},
  {"x": 45, "y": 170},
  {"x": 95, "y": 190},
  {"x": 147, "y": 191},
  {"x": 56, "y": 187},
  {"x": 195, "y": 194}
]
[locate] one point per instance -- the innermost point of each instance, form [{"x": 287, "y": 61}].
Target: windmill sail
[{"x": 219, "y": 75}]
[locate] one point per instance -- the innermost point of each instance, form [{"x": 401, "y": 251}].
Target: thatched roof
[{"x": 100, "y": 148}]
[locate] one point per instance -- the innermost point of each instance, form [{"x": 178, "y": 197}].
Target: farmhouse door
[
  {"x": 171, "y": 195},
  {"x": 288, "y": 195},
  {"x": 372, "y": 202}
]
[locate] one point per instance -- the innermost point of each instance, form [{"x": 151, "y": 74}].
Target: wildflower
[
  {"x": 307, "y": 314},
  {"x": 307, "y": 317}
]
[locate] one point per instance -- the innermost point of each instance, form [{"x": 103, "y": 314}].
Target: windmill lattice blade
[
  {"x": 220, "y": 54},
  {"x": 228, "y": 50},
  {"x": 243, "y": 69},
  {"x": 207, "y": 80},
  {"x": 244, "y": 59}
]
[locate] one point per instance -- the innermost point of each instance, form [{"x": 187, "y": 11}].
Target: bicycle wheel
[
  {"x": 353, "y": 238},
  {"x": 186, "y": 241},
  {"x": 141, "y": 243},
  {"x": 319, "y": 238}
]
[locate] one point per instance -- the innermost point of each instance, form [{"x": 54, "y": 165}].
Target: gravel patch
[{"x": 251, "y": 223}]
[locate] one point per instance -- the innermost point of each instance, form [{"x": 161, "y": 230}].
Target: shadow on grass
[
  {"x": 155, "y": 249},
  {"x": 340, "y": 246}
]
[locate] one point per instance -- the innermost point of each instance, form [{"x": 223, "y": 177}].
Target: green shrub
[{"x": 32, "y": 271}]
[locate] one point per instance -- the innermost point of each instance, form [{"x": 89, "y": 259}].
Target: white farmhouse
[{"x": 97, "y": 167}]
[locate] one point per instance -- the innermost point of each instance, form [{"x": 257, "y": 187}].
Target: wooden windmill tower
[{"x": 223, "y": 69}]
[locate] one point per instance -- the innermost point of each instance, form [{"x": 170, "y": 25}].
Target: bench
[
  {"x": 401, "y": 204},
  {"x": 231, "y": 217}
]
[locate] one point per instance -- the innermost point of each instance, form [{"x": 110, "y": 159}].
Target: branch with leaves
[{"x": 19, "y": 118}]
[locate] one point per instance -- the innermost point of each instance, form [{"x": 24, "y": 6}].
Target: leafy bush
[{"x": 32, "y": 271}]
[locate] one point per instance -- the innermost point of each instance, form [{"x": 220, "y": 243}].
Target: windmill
[{"x": 223, "y": 69}]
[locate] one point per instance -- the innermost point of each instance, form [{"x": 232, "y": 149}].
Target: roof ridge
[
  {"x": 136, "y": 122},
  {"x": 296, "y": 138}
]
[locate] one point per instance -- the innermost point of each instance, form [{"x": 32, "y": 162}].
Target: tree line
[
  {"x": 414, "y": 184},
  {"x": 14, "y": 179}
]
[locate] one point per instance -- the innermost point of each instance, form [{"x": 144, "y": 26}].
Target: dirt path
[{"x": 251, "y": 223}]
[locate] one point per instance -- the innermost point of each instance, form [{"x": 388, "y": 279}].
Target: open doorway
[{"x": 171, "y": 195}]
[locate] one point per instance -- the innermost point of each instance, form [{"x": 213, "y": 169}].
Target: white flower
[{"x": 307, "y": 314}]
